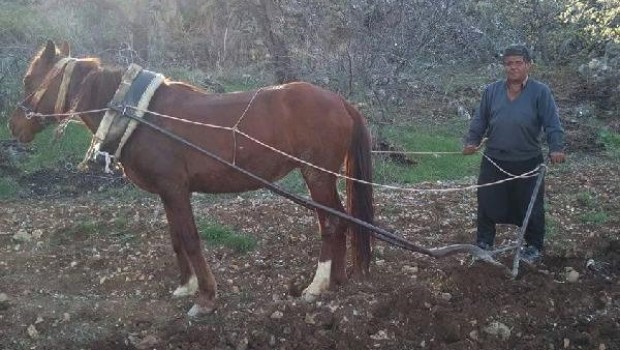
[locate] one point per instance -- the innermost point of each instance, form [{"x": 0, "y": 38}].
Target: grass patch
[
  {"x": 8, "y": 188},
  {"x": 231, "y": 82},
  {"x": 611, "y": 140},
  {"x": 217, "y": 234},
  {"x": 117, "y": 226},
  {"x": 294, "y": 183},
  {"x": 68, "y": 150},
  {"x": 427, "y": 167},
  {"x": 5, "y": 134},
  {"x": 594, "y": 217},
  {"x": 593, "y": 213},
  {"x": 586, "y": 199},
  {"x": 552, "y": 226},
  {"x": 193, "y": 77}
]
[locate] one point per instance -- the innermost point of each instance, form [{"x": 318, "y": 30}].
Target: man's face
[{"x": 516, "y": 68}]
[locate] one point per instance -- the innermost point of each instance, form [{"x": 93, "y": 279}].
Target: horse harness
[
  {"x": 135, "y": 91},
  {"x": 66, "y": 66}
]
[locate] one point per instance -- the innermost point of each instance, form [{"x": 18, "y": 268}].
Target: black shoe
[{"x": 531, "y": 255}]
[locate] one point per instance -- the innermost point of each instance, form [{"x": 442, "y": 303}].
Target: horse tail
[{"x": 358, "y": 165}]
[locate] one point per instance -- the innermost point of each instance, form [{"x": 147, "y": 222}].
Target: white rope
[
  {"x": 416, "y": 153},
  {"x": 247, "y": 108},
  {"x": 529, "y": 174},
  {"x": 68, "y": 114}
]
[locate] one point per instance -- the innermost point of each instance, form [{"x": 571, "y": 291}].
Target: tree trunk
[{"x": 265, "y": 14}]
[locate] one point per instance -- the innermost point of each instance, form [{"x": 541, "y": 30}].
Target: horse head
[{"x": 42, "y": 87}]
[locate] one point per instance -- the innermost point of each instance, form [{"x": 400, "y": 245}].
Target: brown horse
[{"x": 299, "y": 119}]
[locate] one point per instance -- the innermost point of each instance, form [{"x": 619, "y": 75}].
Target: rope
[
  {"x": 235, "y": 127},
  {"x": 416, "y": 153},
  {"x": 531, "y": 173},
  {"x": 68, "y": 114}
]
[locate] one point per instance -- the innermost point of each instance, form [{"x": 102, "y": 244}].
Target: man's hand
[
  {"x": 556, "y": 157},
  {"x": 470, "y": 149}
]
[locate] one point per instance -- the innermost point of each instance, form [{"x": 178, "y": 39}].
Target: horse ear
[
  {"x": 65, "y": 49},
  {"x": 49, "y": 53}
]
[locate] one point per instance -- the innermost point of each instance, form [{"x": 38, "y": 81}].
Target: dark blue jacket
[{"x": 514, "y": 128}]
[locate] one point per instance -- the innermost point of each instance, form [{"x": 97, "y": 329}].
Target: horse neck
[{"x": 97, "y": 92}]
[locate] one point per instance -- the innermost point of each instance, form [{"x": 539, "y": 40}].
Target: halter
[{"x": 65, "y": 65}]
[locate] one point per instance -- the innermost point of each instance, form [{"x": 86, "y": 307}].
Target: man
[{"x": 512, "y": 114}]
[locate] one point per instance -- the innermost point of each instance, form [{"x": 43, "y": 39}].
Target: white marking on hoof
[
  {"x": 189, "y": 288},
  {"x": 320, "y": 283},
  {"x": 197, "y": 311}
]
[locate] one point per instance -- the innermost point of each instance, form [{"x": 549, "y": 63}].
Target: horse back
[{"x": 299, "y": 119}]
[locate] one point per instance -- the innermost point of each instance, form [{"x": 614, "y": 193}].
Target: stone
[
  {"x": 148, "y": 342},
  {"x": 276, "y": 315},
  {"x": 445, "y": 296},
  {"x": 380, "y": 335},
  {"x": 572, "y": 276},
  {"x": 410, "y": 269},
  {"x": 37, "y": 234},
  {"x": 497, "y": 329},
  {"x": 22, "y": 236},
  {"x": 32, "y": 332}
]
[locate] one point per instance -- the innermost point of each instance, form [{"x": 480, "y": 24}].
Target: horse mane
[
  {"x": 186, "y": 86},
  {"x": 98, "y": 88},
  {"x": 101, "y": 83}
]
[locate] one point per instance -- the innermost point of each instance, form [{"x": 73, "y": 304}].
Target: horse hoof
[
  {"x": 308, "y": 296},
  {"x": 188, "y": 289},
  {"x": 197, "y": 310}
]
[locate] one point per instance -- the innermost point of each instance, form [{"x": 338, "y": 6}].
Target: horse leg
[
  {"x": 331, "y": 269},
  {"x": 188, "y": 282},
  {"x": 184, "y": 233}
]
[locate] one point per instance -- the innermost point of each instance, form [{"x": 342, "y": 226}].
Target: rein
[{"x": 66, "y": 66}]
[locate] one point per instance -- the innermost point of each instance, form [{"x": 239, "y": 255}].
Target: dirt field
[{"x": 67, "y": 285}]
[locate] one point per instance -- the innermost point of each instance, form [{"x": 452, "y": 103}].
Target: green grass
[
  {"x": 594, "y": 214},
  {"x": 552, "y": 226},
  {"x": 118, "y": 228},
  {"x": 232, "y": 82},
  {"x": 611, "y": 140},
  {"x": 91, "y": 227},
  {"x": 594, "y": 217},
  {"x": 68, "y": 150},
  {"x": 5, "y": 134},
  {"x": 294, "y": 183},
  {"x": 426, "y": 167},
  {"x": 586, "y": 199},
  {"x": 8, "y": 188},
  {"x": 217, "y": 234}
]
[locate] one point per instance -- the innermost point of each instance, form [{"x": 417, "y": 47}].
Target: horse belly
[{"x": 219, "y": 178}]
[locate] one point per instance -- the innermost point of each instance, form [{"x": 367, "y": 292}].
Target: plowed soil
[{"x": 94, "y": 270}]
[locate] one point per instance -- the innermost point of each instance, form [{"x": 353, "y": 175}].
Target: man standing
[{"x": 512, "y": 114}]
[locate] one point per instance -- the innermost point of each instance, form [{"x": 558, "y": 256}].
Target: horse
[{"x": 300, "y": 119}]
